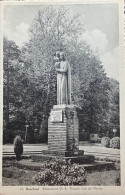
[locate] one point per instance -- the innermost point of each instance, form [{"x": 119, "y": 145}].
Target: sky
[{"x": 101, "y": 23}]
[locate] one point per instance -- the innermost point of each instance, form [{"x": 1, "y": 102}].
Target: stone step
[
  {"x": 96, "y": 166},
  {"x": 99, "y": 166},
  {"x": 24, "y": 153},
  {"x": 56, "y": 141},
  {"x": 54, "y": 147},
  {"x": 113, "y": 157},
  {"x": 52, "y": 125},
  {"x": 74, "y": 159},
  {"x": 57, "y": 145},
  {"x": 54, "y": 152},
  {"x": 63, "y": 152},
  {"x": 57, "y": 127},
  {"x": 59, "y": 130}
]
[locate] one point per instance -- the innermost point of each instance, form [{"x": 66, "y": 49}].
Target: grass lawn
[{"x": 13, "y": 176}]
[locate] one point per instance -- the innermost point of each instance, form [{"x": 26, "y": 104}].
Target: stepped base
[
  {"x": 74, "y": 159},
  {"x": 63, "y": 153},
  {"x": 99, "y": 166},
  {"x": 30, "y": 165}
]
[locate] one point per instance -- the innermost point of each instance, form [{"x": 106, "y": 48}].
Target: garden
[
  {"x": 22, "y": 170},
  {"x": 39, "y": 174}
]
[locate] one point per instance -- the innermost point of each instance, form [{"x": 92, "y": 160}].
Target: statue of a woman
[{"x": 63, "y": 79}]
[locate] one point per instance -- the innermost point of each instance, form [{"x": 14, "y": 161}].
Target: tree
[
  {"x": 49, "y": 32},
  {"x": 89, "y": 87},
  {"x": 32, "y": 78},
  {"x": 11, "y": 54},
  {"x": 54, "y": 30},
  {"x": 113, "y": 112}
]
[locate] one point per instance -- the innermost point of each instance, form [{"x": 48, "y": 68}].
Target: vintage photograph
[{"x": 61, "y": 97}]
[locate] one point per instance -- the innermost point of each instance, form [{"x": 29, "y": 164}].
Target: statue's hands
[
  {"x": 57, "y": 65},
  {"x": 56, "y": 59},
  {"x": 57, "y": 69}
]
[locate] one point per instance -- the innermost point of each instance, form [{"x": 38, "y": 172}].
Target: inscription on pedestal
[{"x": 56, "y": 116}]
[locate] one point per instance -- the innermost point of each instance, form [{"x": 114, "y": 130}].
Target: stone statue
[{"x": 63, "y": 78}]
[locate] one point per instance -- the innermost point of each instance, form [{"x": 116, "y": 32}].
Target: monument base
[
  {"x": 85, "y": 159},
  {"x": 63, "y": 131},
  {"x": 63, "y": 153},
  {"x": 63, "y": 136}
]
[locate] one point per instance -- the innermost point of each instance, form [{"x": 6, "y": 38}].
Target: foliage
[
  {"x": 113, "y": 113},
  {"x": 105, "y": 141},
  {"x": 118, "y": 180},
  {"x": 115, "y": 142},
  {"x": 49, "y": 32},
  {"x": 84, "y": 136},
  {"x": 13, "y": 176},
  {"x": 18, "y": 147},
  {"x": 61, "y": 172},
  {"x": 11, "y": 90},
  {"x": 90, "y": 92},
  {"x": 30, "y": 79},
  {"x": 95, "y": 138}
]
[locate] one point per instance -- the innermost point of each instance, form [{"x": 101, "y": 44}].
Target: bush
[
  {"x": 84, "y": 136},
  {"x": 94, "y": 138},
  {"x": 61, "y": 172},
  {"x": 118, "y": 180},
  {"x": 105, "y": 141},
  {"x": 115, "y": 142},
  {"x": 18, "y": 147}
]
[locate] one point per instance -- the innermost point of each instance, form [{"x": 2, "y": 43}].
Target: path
[{"x": 89, "y": 148}]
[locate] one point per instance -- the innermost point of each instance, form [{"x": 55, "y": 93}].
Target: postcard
[{"x": 62, "y": 97}]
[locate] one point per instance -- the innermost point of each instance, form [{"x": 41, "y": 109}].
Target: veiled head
[
  {"x": 58, "y": 54},
  {"x": 62, "y": 56}
]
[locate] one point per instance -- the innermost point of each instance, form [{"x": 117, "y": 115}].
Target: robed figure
[{"x": 63, "y": 79}]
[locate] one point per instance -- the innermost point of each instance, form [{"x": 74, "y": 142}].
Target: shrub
[
  {"x": 18, "y": 147},
  {"x": 115, "y": 142},
  {"x": 95, "y": 138},
  {"x": 105, "y": 141},
  {"x": 84, "y": 136},
  {"x": 118, "y": 180},
  {"x": 61, "y": 172}
]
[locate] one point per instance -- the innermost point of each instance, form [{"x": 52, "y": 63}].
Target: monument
[{"x": 63, "y": 125}]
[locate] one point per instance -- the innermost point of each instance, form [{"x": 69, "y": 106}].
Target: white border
[{"x": 87, "y": 190}]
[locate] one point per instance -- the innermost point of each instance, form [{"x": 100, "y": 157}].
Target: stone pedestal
[
  {"x": 63, "y": 137},
  {"x": 63, "y": 132}
]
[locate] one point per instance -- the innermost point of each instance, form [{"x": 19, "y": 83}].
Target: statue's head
[
  {"x": 62, "y": 56},
  {"x": 57, "y": 56}
]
